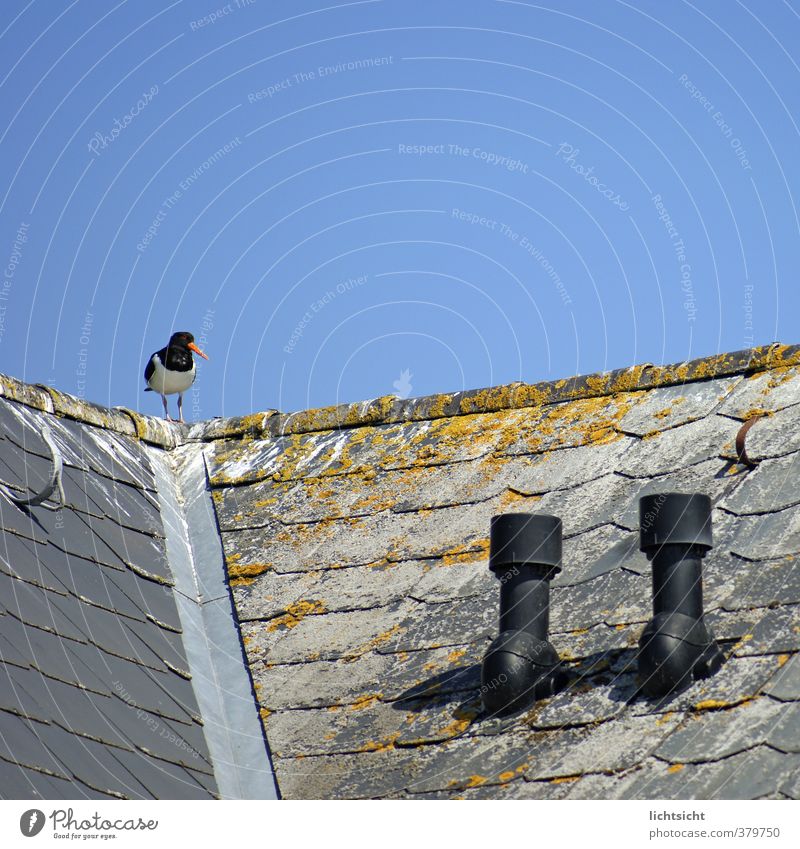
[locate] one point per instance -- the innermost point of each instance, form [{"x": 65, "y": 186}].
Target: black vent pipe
[
  {"x": 676, "y": 647},
  {"x": 520, "y": 665}
]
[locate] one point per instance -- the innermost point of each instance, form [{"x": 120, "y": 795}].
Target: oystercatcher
[{"x": 171, "y": 370}]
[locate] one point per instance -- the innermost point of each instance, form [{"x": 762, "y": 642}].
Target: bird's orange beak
[{"x": 192, "y": 347}]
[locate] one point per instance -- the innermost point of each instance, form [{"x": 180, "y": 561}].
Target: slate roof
[
  {"x": 97, "y": 686},
  {"x": 358, "y": 558},
  {"x": 355, "y": 541}
]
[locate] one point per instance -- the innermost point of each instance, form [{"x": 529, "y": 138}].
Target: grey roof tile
[
  {"x": 383, "y": 536},
  {"x": 150, "y": 733},
  {"x": 28, "y": 471},
  {"x": 767, "y": 536},
  {"x": 17, "y": 521},
  {"x": 742, "y": 584},
  {"x": 611, "y": 641},
  {"x": 591, "y": 700},
  {"x": 18, "y": 782},
  {"x": 617, "y": 597},
  {"x": 711, "y": 735},
  {"x": 58, "y": 658},
  {"x": 67, "y": 531},
  {"x": 512, "y": 788},
  {"x": 166, "y": 645},
  {"x": 672, "y": 406},
  {"x": 10, "y": 652},
  {"x": 763, "y": 391},
  {"x": 462, "y": 621},
  {"x": 147, "y": 688},
  {"x": 362, "y": 588},
  {"x": 348, "y": 776},
  {"x": 785, "y": 684},
  {"x": 790, "y": 784},
  {"x": 164, "y": 780},
  {"x": 679, "y": 448},
  {"x": 94, "y": 583},
  {"x": 156, "y": 601},
  {"x": 750, "y": 775},
  {"x": 20, "y": 744},
  {"x": 771, "y": 486},
  {"x": 91, "y": 763},
  {"x": 597, "y": 552},
  {"x": 614, "y": 745},
  {"x": 775, "y": 435},
  {"x": 389, "y": 677},
  {"x": 100, "y": 496},
  {"x": 145, "y": 554},
  {"x": 772, "y": 631},
  {"x": 566, "y": 468},
  {"x": 38, "y": 607},
  {"x": 327, "y": 637},
  {"x": 18, "y": 559},
  {"x": 739, "y": 680},
  {"x": 785, "y": 733},
  {"x": 20, "y": 691},
  {"x": 747, "y": 775},
  {"x": 104, "y": 452}
]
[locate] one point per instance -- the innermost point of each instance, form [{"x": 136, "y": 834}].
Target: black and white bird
[{"x": 171, "y": 370}]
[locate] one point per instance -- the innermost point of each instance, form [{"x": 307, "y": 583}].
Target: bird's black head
[
  {"x": 184, "y": 339},
  {"x": 180, "y": 339}
]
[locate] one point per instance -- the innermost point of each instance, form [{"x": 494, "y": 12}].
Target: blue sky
[{"x": 347, "y": 200}]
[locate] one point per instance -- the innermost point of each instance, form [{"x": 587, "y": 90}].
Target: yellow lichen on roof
[
  {"x": 295, "y": 613},
  {"x": 243, "y": 574},
  {"x": 365, "y": 701},
  {"x": 472, "y": 552}
]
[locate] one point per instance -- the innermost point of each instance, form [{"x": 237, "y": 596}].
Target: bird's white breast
[{"x": 169, "y": 382}]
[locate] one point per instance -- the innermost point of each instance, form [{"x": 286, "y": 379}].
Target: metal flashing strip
[{"x": 233, "y": 730}]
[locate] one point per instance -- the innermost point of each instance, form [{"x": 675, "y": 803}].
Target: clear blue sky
[{"x": 346, "y": 200}]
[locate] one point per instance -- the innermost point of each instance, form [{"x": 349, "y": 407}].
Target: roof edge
[{"x": 390, "y": 409}]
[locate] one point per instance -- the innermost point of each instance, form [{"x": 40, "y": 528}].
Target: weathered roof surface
[
  {"x": 97, "y": 682},
  {"x": 356, "y": 541}
]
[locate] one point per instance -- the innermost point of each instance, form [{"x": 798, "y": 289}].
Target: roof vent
[
  {"x": 520, "y": 665},
  {"x": 676, "y": 648}
]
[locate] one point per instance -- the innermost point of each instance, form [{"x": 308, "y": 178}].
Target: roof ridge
[{"x": 389, "y": 409}]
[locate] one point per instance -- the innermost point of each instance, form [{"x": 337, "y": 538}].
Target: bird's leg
[
  {"x": 180, "y": 406},
  {"x": 166, "y": 410}
]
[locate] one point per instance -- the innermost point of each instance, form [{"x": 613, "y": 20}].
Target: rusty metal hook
[{"x": 741, "y": 436}]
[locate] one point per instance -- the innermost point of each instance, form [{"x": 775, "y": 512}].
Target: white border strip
[{"x": 211, "y": 636}]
